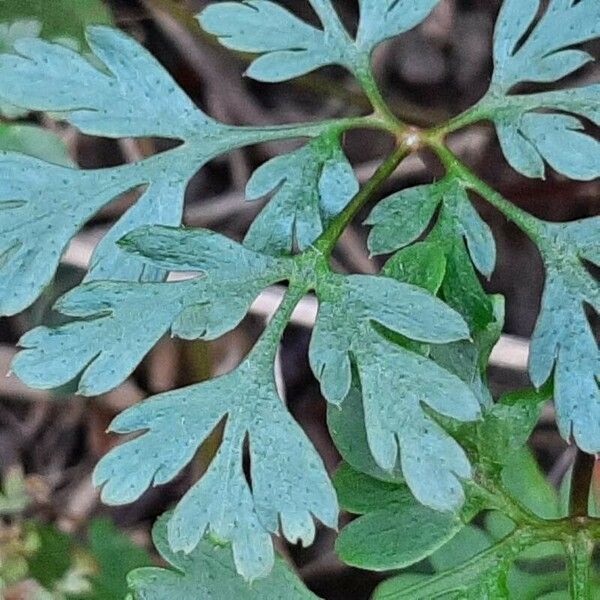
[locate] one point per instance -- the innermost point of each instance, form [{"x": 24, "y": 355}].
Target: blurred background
[{"x": 56, "y": 539}]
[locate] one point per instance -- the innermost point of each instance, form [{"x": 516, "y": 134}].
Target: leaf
[
  {"x": 209, "y": 572},
  {"x": 311, "y": 186},
  {"x": 34, "y": 141},
  {"x": 10, "y": 32},
  {"x": 112, "y": 332},
  {"x": 485, "y": 576},
  {"x": 384, "y": 19},
  {"x": 544, "y": 52},
  {"x": 400, "y": 219},
  {"x": 289, "y": 482},
  {"x": 563, "y": 342},
  {"x": 53, "y": 556},
  {"x": 394, "y": 381},
  {"x": 290, "y": 47},
  {"x": 51, "y": 18},
  {"x": 116, "y": 555},
  {"x": 42, "y": 206},
  {"x": 395, "y": 531}
]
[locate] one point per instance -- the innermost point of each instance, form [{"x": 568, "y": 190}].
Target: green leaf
[
  {"x": 312, "y": 185},
  {"x": 289, "y": 482},
  {"x": 394, "y": 381},
  {"x": 116, "y": 555},
  {"x": 384, "y": 19},
  {"x": 544, "y": 54},
  {"x": 289, "y": 46},
  {"x": 54, "y": 554},
  {"x": 51, "y": 17},
  {"x": 466, "y": 544},
  {"x": 422, "y": 264},
  {"x": 42, "y": 206},
  {"x": 112, "y": 332},
  {"x": 34, "y": 141},
  {"x": 209, "y": 572},
  {"x": 563, "y": 341},
  {"x": 395, "y": 531}
]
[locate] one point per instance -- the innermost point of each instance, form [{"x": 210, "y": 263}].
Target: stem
[
  {"x": 581, "y": 480},
  {"x": 579, "y": 555},
  {"x": 526, "y": 222},
  {"x": 268, "y": 343},
  {"x": 329, "y": 238}
]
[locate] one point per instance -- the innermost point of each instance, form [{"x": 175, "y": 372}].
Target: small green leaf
[
  {"x": 112, "y": 332},
  {"x": 394, "y": 381},
  {"x": 395, "y": 531},
  {"x": 34, "y": 141},
  {"x": 524, "y": 52},
  {"x": 209, "y": 572},
  {"x": 52, "y": 18},
  {"x": 289, "y": 482},
  {"x": 312, "y": 185},
  {"x": 423, "y": 264}
]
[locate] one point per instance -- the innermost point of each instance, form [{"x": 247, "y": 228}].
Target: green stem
[
  {"x": 531, "y": 226},
  {"x": 326, "y": 243},
  {"x": 268, "y": 343},
  {"x": 579, "y": 556}
]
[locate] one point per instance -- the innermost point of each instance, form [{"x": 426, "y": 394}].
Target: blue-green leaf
[
  {"x": 542, "y": 51},
  {"x": 289, "y": 46},
  {"x": 209, "y": 572},
  {"x": 34, "y": 141},
  {"x": 384, "y": 19},
  {"x": 396, "y": 382},
  {"x": 310, "y": 185},
  {"x": 400, "y": 219},
  {"x": 395, "y": 531},
  {"x": 289, "y": 482},
  {"x": 42, "y": 206},
  {"x": 112, "y": 332},
  {"x": 563, "y": 340}
]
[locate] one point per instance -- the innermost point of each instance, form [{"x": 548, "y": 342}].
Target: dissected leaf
[
  {"x": 394, "y": 381},
  {"x": 311, "y": 186},
  {"x": 42, "y": 206},
  {"x": 209, "y": 572},
  {"x": 290, "y": 47},
  {"x": 563, "y": 341},
  {"x": 544, "y": 52},
  {"x": 395, "y": 531},
  {"x": 112, "y": 332},
  {"x": 384, "y": 19},
  {"x": 289, "y": 482}
]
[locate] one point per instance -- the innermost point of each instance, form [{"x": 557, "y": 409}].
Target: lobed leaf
[
  {"x": 112, "y": 332},
  {"x": 43, "y": 206},
  {"x": 289, "y": 482},
  {"x": 394, "y": 381},
  {"x": 542, "y": 50},
  {"x": 290, "y": 47},
  {"x": 563, "y": 341},
  {"x": 310, "y": 186},
  {"x": 209, "y": 572}
]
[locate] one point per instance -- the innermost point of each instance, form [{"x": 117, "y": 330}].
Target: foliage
[{"x": 400, "y": 357}]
